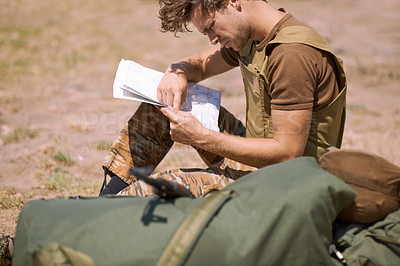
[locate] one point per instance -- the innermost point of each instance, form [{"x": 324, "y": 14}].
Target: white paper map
[{"x": 138, "y": 83}]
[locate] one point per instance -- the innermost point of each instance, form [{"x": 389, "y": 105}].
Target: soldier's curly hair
[{"x": 175, "y": 14}]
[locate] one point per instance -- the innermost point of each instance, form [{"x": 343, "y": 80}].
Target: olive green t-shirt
[{"x": 300, "y": 76}]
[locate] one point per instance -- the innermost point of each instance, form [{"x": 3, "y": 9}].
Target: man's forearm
[
  {"x": 256, "y": 152},
  {"x": 189, "y": 67},
  {"x": 291, "y": 129},
  {"x": 200, "y": 66}
]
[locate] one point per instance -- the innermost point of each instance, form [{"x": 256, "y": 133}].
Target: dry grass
[
  {"x": 64, "y": 158},
  {"x": 9, "y": 198},
  {"x": 19, "y": 134}
]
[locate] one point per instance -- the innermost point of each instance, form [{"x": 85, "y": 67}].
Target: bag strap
[
  {"x": 103, "y": 186},
  {"x": 191, "y": 228}
]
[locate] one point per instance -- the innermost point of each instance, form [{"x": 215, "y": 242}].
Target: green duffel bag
[
  {"x": 278, "y": 215},
  {"x": 375, "y": 244}
]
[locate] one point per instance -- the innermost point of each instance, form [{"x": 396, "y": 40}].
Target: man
[{"x": 295, "y": 90}]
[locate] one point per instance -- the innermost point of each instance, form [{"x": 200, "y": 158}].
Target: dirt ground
[{"x": 58, "y": 60}]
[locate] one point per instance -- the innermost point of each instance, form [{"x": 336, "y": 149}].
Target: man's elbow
[
  {"x": 278, "y": 158},
  {"x": 288, "y": 157},
  {"x": 289, "y": 154}
]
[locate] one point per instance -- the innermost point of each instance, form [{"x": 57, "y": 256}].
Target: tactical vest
[{"x": 327, "y": 124}]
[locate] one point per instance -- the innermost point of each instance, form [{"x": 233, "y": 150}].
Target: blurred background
[{"x": 58, "y": 59}]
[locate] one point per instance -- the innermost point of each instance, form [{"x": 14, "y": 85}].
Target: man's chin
[{"x": 229, "y": 46}]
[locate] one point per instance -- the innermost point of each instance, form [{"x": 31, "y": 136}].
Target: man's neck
[{"x": 262, "y": 17}]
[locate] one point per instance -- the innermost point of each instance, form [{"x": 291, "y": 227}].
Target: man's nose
[{"x": 213, "y": 38}]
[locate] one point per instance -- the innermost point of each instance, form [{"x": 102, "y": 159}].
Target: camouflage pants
[{"x": 145, "y": 141}]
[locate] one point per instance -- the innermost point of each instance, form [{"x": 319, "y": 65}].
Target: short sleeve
[{"x": 292, "y": 76}]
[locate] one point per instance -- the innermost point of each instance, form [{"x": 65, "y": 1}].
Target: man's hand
[
  {"x": 185, "y": 128},
  {"x": 173, "y": 88}
]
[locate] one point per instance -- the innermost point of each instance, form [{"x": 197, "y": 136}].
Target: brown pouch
[{"x": 375, "y": 180}]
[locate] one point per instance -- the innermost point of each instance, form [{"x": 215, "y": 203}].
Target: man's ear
[{"x": 235, "y": 4}]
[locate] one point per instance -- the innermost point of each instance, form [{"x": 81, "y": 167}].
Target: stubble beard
[{"x": 241, "y": 39}]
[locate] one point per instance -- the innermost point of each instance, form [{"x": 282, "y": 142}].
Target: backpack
[
  {"x": 376, "y": 181},
  {"x": 278, "y": 215},
  {"x": 377, "y": 244},
  {"x": 368, "y": 230}
]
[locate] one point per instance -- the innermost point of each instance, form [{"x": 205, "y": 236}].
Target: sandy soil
[{"x": 58, "y": 60}]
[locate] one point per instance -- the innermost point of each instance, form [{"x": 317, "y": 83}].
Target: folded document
[{"x": 138, "y": 83}]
